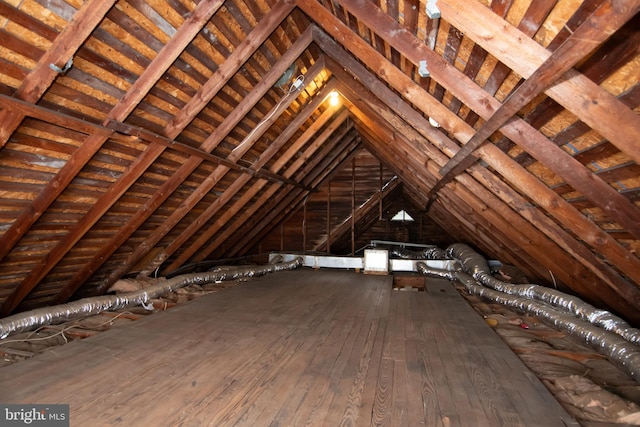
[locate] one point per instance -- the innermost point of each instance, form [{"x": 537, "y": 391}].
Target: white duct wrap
[
  {"x": 605, "y": 332},
  {"x": 89, "y": 306}
]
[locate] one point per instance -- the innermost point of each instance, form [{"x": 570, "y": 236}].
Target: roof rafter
[
  {"x": 145, "y": 160},
  {"x": 530, "y": 139},
  {"x": 65, "y": 45},
  {"x": 187, "y": 168},
  {"x": 119, "y": 112},
  {"x": 522, "y": 231},
  {"x": 525, "y": 56},
  {"x": 208, "y": 184},
  {"x": 274, "y": 209},
  {"x": 205, "y": 237},
  {"x": 267, "y": 154},
  {"x": 558, "y": 208},
  {"x": 595, "y": 30}
]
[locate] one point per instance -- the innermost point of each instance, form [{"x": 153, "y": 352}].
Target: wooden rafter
[
  {"x": 334, "y": 130},
  {"x": 408, "y": 166},
  {"x": 521, "y": 232},
  {"x": 561, "y": 210},
  {"x": 149, "y": 136},
  {"x": 122, "y": 109},
  {"x": 138, "y": 167},
  {"x": 93, "y": 143},
  {"x": 205, "y": 237},
  {"x": 594, "y": 31},
  {"x": 188, "y": 167},
  {"x": 339, "y": 230},
  {"x": 194, "y": 227},
  {"x": 205, "y": 187},
  {"x": 123, "y": 131},
  {"x": 530, "y": 139},
  {"x": 273, "y": 209},
  {"x": 525, "y": 56},
  {"x": 65, "y": 45},
  {"x": 228, "y": 68}
]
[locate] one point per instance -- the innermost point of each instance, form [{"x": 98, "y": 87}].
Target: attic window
[{"x": 402, "y": 216}]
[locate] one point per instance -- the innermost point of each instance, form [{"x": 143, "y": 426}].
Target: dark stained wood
[
  {"x": 575, "y": 48},
  {"x": 146, "y": 135},
  {"x": 90, "y": 146},
  {"x": 594, "y": 31},
  {"x": 543, "y": 195},
  {"x": 486, "y": 205},
  {"x": 295, "y": 348},
  {"x": 382, "y": 67},
  {"x": 516, "y": 238},
  {"x": 614, "y": 279},
  {"x": 212, "y": 209},
  {"x": 229, "y": 67},
  {"x": 180, "y": 175},
  {"x": 617, "y": 51},
  {"x": 623, "y": 47},
  {"x": 61, "y": 50},
  {"x": 54, "y": 186},
  {"x": 167, "y": 54},
  {"x": 552, "y": 230},
  {"x": 622, "y": 262},
  {"x": 206, "y": 243},
  {"x": 519, "y": 131},
  {"x": 190, "y": 202},
  {"x": 478, "y": 56},
  {"x": 92, "y": 187},
  {"x": 624, "y": 126},
  {"x": 334, "y": 153},
  {"x": 369, "y": 206}
]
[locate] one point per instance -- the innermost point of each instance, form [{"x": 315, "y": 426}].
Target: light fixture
[{"x": 334, "y": 98}]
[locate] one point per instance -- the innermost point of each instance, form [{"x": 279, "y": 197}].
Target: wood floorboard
[{"x": 298, "y": 348}]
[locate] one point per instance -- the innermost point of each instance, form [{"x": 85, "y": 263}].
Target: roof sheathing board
[{"x": 104, "y": 70}]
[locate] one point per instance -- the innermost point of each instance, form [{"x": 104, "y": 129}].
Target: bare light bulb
[{"x": 334, "y": 98}]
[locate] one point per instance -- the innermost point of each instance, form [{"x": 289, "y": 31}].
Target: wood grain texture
[{"x": 295, "y": 348}]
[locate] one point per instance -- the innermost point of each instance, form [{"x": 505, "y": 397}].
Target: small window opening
[{"x": 402, "y": 216}]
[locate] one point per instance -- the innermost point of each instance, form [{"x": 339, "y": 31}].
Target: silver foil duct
[
  {"x": 402, "y": 253},
  {"x": 89, "y": 306},
  {"x": 429, "y": 253},
  {"x": 443, "y": 274},
  {"x": 617, "y": 349},
  {"x": 476, "y": 265}
]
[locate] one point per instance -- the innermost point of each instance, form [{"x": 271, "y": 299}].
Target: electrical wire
[
  {"x": 62, "y": 331},
  {"x": 295, "y": 85}
]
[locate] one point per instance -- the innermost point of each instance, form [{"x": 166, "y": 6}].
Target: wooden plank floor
[{"x": 293, "y": 349}]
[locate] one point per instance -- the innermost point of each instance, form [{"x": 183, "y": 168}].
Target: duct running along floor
[{"x": 305, "y": 347}]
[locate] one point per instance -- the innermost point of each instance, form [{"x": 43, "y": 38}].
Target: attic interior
[{"x": 147, "y": 138}]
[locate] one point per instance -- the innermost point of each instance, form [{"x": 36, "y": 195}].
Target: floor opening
[{"x": 408, "y": 282}]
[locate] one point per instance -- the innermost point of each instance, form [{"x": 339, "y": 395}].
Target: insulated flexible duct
[
  {"x": 89, "y": 306},
  {"x": 619, "y": 350},
  {"x": 429, "y": 253},
  {"x": 475, "y": 264},
  {"x": 626, "y": 354}
]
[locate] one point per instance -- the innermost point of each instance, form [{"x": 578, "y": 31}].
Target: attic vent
[{"x": 402, "y": 216}]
